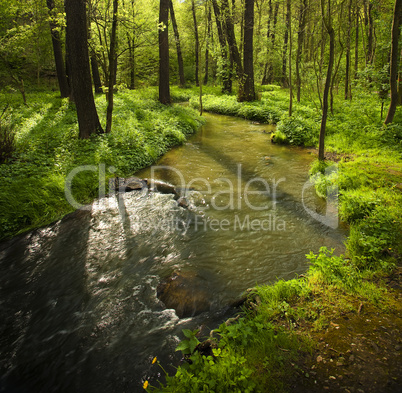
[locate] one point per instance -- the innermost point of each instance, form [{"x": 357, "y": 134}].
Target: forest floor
[{"x": 358, "y": 352}]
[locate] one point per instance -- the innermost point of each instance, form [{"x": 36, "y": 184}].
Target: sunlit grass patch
[{"x": 47, "y": 148}]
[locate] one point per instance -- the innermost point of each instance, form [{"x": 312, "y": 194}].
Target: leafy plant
[
  {"x": 299, "y": 131},
  {"x": 187, "y": 347},
  {"x": 7, "y": 143}
]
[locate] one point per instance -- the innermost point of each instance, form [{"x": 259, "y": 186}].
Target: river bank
[
  {"x": 46, "y": 149},
  {"x": 336, "y": 328}
]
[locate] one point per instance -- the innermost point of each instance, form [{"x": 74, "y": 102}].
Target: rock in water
[
  {"x": 126, "y": 185},
  {"x": 182, "y": 202},
  {"x": 187, "y": 293},
  {"x": 133, "y": 184},
  {"x": 162, "y": 187}
]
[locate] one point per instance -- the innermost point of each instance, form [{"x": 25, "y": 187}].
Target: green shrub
[
  {"x": 358, "y": 204},
  {"x": 280, "y": 138},
  {"x": 327, "y": 182},
  {"x": 371, "y": 240},
  {"x": 319, "y": 166},
  {"x": 391, "y": 135},
  {"x": 228, "y": 105},
  {"x": 299, "y": 131},
  {"x": 265, "y": 88},
  {"x": 333, "y": 270},
  {"x": 7, "y": 144}
]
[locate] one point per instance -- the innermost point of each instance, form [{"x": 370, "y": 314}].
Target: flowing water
[{"x": 78, "y": 305}]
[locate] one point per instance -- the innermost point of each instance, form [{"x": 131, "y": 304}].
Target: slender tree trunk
[
  {"x": 270, "y": 77},
  {"x": 334, "y": 74},
  {"x": 246, "y": 91},
  {"x": 399, "y": 83},
  {"x": 131, "y": 62},
  {"x": 196, "y": 43},
  {"x": 231, "y": 39},
  {"x": 289, "y": 10},
  {"x": 182, "y": 80},
  {"x": 331, "y": 33},
  {"x": 164, "y": 88},
  {"x": 394, "y": 61},
  {"x": 96, "y": 75},
  {"x": 94, "y": 62},
  {"x": 209, "y": 21},
  {"x": 227, "y": 77},
  {"x": 77, "y": 44},
  {"x": 285, "y": 47},
  {"x": 370, "y": 36},
  {"x": 348, "y": 94},
  {"x": 357, "y": 41},
  {"x": 68, "y": 72},
  {"x": 300, "y": 41},
  {"x": 112, "y": 68},
  {"x": 58, "y": 53},
  {"x": 265, "y": 74}
]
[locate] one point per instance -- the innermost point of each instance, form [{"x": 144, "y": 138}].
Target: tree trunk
[
  {"x": 112, "y": 68},
  {"x": 226, "y": 71},
  {"x": 164, "y": 88},
  {"x": 77, "y": 44},
  {"x": 289, "y": 10},
  {"x": 270, "y": 71},
  {"x": 370, "y": 35},
  {"x": 182, "y": 80},
  {"x": 209, "y": 21},
  {"x": 58, "y": 53},
  {"x": 300, "y": 41},
  {"x": 394, "y": 62},
  {"x": 231, "y": 39},
  {"x": 196, "y": 43},
  {"x": 331, "y": 33},
  {"x": 285, "y": 47},
  {"x": 96, "y": 75},
  {"x": 399, "y": 83},
  {"x": 357, "y": 41},
  {"x": 131, "y": 62},
  {"x": 265, "y": 74},
  {"x": 94, "y": 62},
  {"x": 246, "y": 90},
  {"x": 348, "y": 94}
]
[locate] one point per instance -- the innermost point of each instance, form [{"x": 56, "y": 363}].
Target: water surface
[{"x": 78, "y": 298}]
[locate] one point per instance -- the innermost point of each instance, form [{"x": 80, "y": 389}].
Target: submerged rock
[
  {"x": 126, "y": 185},
  {"x": 182, "y": 202},
  {"x": 187, "y": 293},
  {"x": 162, "y": 187}
]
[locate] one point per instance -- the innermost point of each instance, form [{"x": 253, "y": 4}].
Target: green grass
[{"x": 47, "y": 148}]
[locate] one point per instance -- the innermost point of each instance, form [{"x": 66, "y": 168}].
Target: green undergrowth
[
  {"x": 264, "y": 350},
  {"x": 353, "y": 126},
  {"x": 47, "y": 148},
  {"x": 370, "y": 201},
  {"x": 247, "y": 356}
]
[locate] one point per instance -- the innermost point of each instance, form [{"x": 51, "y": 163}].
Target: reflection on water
[{"x": 78, "y": 299}]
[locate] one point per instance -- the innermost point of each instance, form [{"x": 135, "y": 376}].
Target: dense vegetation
[
  {"x": 47, "y": 148},
  {"x": 328, "y": 72}
]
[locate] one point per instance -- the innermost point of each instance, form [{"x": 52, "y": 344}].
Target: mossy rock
[{"x": 187, "y": 293}]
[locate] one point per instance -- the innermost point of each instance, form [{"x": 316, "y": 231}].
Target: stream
[{"x": 78, "y": 299}]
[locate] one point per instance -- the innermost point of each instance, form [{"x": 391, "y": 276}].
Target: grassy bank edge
[{"x": 47, "y": 148}]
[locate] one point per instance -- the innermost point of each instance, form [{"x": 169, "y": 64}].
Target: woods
[
  {"x": 94, "y": 92},
  {"x": 230, "y": 53}
]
